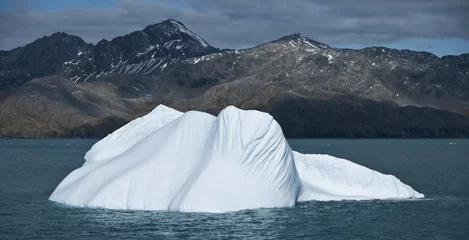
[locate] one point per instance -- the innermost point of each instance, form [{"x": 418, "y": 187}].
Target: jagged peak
[
  {"x": 57, "y": 36},
  {"x": 167, "y": 23},
  {"x": 293, "y": 36},
  {"x": 103, "y": 41},
  {"x": 59, "y": 33},
  {"x": 62, "y": 35},
  {"x": 179, "y": 27},
  {"x": 173, "y": 21},
  {"x": 301, "y": 39}
]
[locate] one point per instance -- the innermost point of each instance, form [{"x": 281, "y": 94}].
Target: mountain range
[{"x": 61, "y": 86}]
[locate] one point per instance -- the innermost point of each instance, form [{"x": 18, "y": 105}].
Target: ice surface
[
  {"x": 196, "y": 162},
  {"x": 326, "y": 177},
  {"x": 125, "y": 137}
]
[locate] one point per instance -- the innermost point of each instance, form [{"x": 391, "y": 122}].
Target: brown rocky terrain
[{"x": 60, "y": 86}]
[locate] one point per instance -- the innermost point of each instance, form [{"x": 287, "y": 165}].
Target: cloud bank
[{"x": 243, "y": 23}]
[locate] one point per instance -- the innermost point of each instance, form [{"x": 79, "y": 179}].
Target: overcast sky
[{"x": 437, "y": 26}]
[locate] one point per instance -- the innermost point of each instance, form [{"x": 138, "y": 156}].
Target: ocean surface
[{"x": 31, "y": 169}]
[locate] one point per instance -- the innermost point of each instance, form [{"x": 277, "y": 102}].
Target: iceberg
[{"x": 195, "y": 162}]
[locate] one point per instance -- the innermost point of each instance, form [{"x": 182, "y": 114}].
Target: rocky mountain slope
[
  {"x": 141, "y": 52},
  {"x": 61, "y": 86}
]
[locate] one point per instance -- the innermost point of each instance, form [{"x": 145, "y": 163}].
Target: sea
[{"x": 30, "y": 169}]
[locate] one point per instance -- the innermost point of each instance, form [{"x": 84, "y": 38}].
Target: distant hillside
[{"x": 61, "y": 86}]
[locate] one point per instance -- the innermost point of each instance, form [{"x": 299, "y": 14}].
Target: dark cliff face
[
  {"x": 141, "y": 52},
  {"x": 43, "y": 57},
  {"x": 138, "y": 53},
  {"x": 312, "y": 89}
]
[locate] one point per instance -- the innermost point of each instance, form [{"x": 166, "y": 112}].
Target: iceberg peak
[{"x": 125, "y": 137}]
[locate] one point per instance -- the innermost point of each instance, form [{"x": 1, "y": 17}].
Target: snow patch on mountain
[{"x": 183, "y": 29}]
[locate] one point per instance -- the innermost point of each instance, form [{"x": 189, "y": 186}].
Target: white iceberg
[{"x": 195, "y": 162}]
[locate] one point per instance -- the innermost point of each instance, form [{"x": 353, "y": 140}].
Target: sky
[{"x": 437, "y": 26}]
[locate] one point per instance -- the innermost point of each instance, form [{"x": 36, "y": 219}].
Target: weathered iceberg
[{"x": 194, "y": 161}]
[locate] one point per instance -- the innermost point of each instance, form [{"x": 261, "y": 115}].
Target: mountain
[
  {"x": 141, "y": 52},
  {"x": 63, "y": 87}
]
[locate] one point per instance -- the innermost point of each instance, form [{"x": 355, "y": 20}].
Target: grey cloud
[{"x": 242, "y": 23}]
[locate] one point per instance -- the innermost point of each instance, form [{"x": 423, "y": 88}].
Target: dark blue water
[{"x": 31, "y": 169}]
